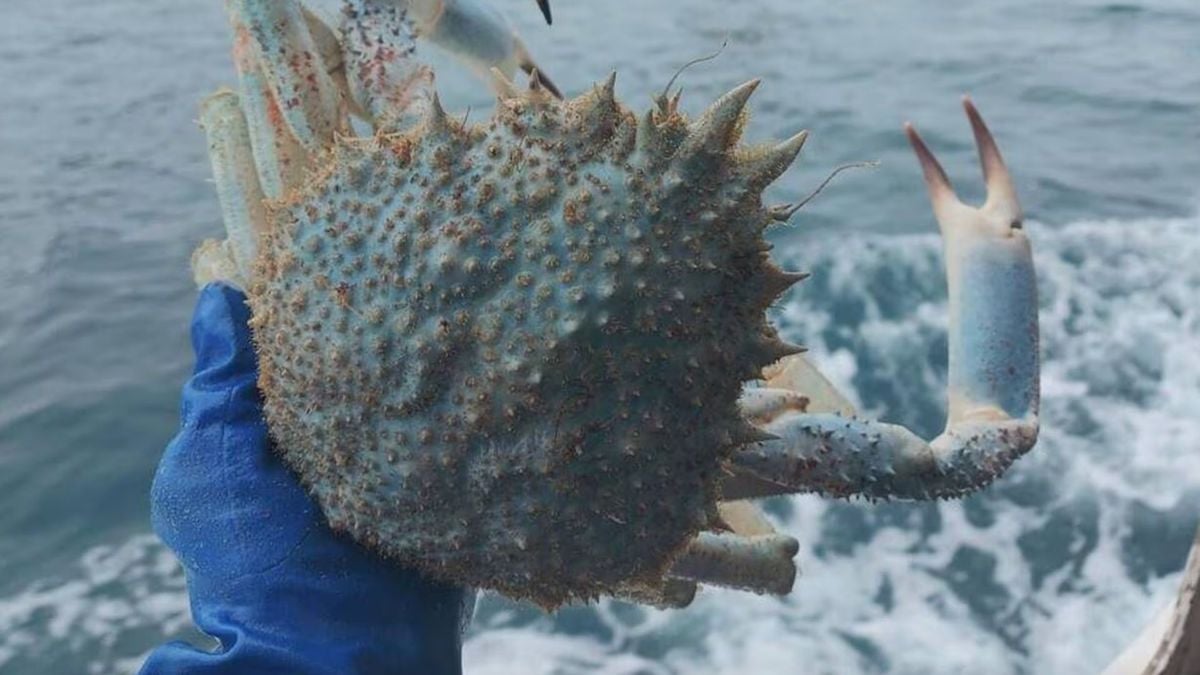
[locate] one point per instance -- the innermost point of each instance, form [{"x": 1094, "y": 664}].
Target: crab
[{"x": 532, "y": 354}]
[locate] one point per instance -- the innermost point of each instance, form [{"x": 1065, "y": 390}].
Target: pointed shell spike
[
  {"x": 540, "y": 90},
  {"x": 438, "y": 120},
  {"x": 606, "y": 91},
  {"x": 647, "y": 132},
  {"x": 764, "y": 169},
  {"x": 782, "y": 350},
  {"x": 535, "y": 80},
  {"x": 673, "y": 104},
  {"x": 601, "y": 101},
  {"x": 714, "y": 132},
  {"x": 660, "y": 105},
  {"x": 778, "y": 281}
]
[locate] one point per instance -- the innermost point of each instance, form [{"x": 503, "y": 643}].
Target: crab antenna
[
  {"x": 785, "y": 213},
  {"x": 667, "y": 89}
]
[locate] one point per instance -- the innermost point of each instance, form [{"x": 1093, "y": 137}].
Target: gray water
[{"x": 103, "y": 195}]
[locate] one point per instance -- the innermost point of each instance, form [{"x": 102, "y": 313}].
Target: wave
[{"x": 1053, "y": 569}]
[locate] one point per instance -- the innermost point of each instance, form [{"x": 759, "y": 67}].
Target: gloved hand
[{"x": 266, "y": 575}]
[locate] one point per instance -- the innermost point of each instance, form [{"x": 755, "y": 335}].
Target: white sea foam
[
  {"x": 132, "y": 590},
  {"x": 1052, "y": 570}
]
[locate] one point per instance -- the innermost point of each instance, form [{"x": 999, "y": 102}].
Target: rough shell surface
[{"x": 510, "y": 354}]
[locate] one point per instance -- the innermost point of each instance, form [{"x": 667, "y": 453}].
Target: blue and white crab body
[{"x": 532, "y": 354}]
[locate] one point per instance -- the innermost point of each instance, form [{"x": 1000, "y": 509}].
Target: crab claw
[
  {"x": 1000, "y": 213},
  {"x": 1001, "y": 193},
  {"x": 992, "y": 287},
  {"x": 993, "y": 386},
  {"x": 544, "y": 5}
]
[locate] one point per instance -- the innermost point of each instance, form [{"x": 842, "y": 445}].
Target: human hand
[{"x": 266, "y": 575}]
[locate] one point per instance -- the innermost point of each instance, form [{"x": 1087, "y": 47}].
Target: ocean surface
[{"x": 104, "y": 193}]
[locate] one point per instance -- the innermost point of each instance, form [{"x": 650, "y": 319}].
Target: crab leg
[
  {"x": 236, "y": 179},
  {"x": 993, "y": 368},
  {"x": 292, "y": 62},
  {"x": 383, "y": 75},
  {"x": 672, "y": 594},
  {"x": 744, "y": 518},
  {"x": 478, "y": 35},
  {"x": 762, "y": 564},
  {"x": 378, "y": 67},
  {"x": 784, "y": 381},
  {"x": 750, "y": 556},
  {"x": 298, "y": 79},
  {"x": 763, "y": 404},
  {"x": 279, "y": 158},
  {"x": 473, "y": 31}
]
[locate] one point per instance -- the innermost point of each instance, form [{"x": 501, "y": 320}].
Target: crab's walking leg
[
  {"x": 478, "y": 35},
  {"x": 279, "y": 157},
  {"x": 671, "y": 594},
  {"x": 784, "y": 382},
  {"x": 383, "y": 74},
  {"x": 750, "y": 555},
  {"x": 236, "y": 177},
  {"x": 993, "y": 368},
  {"x": 299, "y": 77},
  {"x": 376, "y": 64},
  {"x": 840, "y": 456},
  {"x": 762, "y": 564},
  {"x": 261, "y": 139}
]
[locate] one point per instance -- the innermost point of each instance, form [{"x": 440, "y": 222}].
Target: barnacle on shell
[{"x": 510, "y": 354}]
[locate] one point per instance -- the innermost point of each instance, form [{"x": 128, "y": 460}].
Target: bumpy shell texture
[{"x": 509, "y": 355}]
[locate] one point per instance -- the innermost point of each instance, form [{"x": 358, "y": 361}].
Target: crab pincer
[{"x": 993, "y": 365}]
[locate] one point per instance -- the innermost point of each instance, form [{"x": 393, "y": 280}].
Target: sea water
[{"x": 104, "y": 193}]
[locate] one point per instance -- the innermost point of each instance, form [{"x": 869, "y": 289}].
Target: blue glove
[{"x": 267, "y": 577}]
